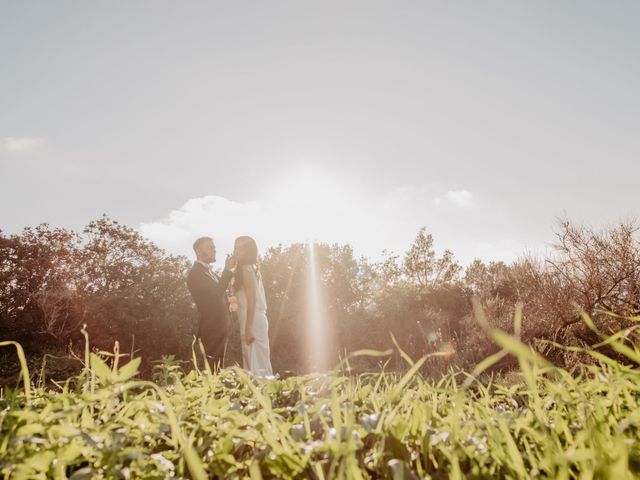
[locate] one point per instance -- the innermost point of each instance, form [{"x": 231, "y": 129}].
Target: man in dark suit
[{"x": 209, "y": 294}]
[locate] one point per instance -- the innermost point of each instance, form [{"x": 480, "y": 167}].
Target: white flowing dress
[{"x": 255, "y": 357}]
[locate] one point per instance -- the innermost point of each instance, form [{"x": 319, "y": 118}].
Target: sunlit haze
[{"x": 355, "y": 122}]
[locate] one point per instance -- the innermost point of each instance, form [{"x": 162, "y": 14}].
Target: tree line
[{"x": 121, "y": 287}]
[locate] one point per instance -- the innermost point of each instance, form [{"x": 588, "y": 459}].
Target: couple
[{"x": 209, "y": 292}]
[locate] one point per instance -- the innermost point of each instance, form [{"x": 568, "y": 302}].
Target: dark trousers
[{"x": 215, "y": 346}]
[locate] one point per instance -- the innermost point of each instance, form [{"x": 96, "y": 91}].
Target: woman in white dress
[{"x": 252, "y": 308}]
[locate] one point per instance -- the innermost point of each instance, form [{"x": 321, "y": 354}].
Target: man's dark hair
[{"x": 199, "y": 242}]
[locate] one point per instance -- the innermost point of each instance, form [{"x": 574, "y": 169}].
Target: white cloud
[
  {"x": 312, "y": 206},
  {"x": 20, "y": 144},
  {"x": 462, "y": 198},
  {"x": 299, "y": 208}
]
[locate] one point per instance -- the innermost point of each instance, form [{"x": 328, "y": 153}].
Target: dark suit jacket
[{"x": 209, "y": 296}]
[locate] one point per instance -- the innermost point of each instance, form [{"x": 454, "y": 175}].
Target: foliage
[
  {"x": 108, "y": 424},
  {"x": 52, "y": 281}
]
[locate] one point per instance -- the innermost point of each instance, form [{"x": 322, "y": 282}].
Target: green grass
[{"x": 371, "y": 425}]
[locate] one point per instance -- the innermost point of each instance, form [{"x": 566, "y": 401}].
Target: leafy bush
[
  {"x": 549, "y": 423},
  {"x": 52, "y": 281}
]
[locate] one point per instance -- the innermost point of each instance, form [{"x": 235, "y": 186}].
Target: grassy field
[{"x": 549, "y": 423}]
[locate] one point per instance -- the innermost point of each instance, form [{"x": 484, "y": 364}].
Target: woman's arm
[{"x": 249, "y": 286}]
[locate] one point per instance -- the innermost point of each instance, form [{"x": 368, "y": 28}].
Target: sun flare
[{"x": 315, "y": 203}]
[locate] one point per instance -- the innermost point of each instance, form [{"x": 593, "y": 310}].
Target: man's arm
[
  {"x": 204, "y": 300},
  {"x": 227, "y": 274}
]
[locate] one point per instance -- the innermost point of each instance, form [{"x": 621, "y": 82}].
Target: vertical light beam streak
[{"x": 316, "y": 322}]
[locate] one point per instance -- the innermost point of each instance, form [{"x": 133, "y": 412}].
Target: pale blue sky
[{"x": 482, "y": 121}]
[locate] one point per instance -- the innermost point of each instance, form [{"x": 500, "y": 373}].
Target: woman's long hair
[{"x": 249, "y": 249}]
